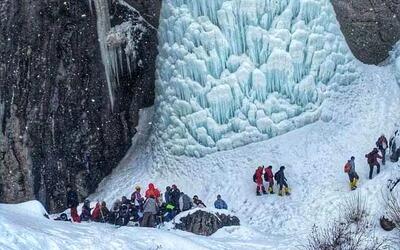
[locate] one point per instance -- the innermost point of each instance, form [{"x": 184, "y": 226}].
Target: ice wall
[{"x": 232, "y": 72}]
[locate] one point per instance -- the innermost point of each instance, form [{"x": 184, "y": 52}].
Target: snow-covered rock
[
  {"x": 205, "y": 221},
  {"x": 231, "y": 72}
]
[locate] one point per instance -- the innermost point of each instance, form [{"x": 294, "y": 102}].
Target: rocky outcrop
[
  {"x": 371, "y": 27},
  {"x": 57, "y": 125},
  {"x": 205, "y": 223}
]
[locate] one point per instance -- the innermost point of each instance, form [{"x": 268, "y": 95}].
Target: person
[
  {"x": 382, "y": 145},
  {"x": 269, "y": 177},
  {"x": 372, "y": 159},
  {"x": 220, "y": 203},
  {"x": 167, "y": 195},
  {"x": 184, "y": 202},
  {"x": 125, "y": 201},
  {"x": 114, "y": 213},
  {"x": 104, "y": 212},
  {"x": 72, "y": 203},
  {"x": 350, "y": 169},
  {"x": 169, "y": 212},
  {"x": 100, "y": 212},
  {"x": 175, "y": 195},
  {"x": 63, "y": 217},
  {"x": 85, "y": 214},
  {"x": 124, "y": 215},
  {"x": 197, "y": 203},
  {"x": 282, "y": 182},
  {"x": 152, "y": 191},
  {"x": 96, "y": 213},
  {"x": 258, "y": 179},
  {"x": 150, "y": 210},
  {"x": 137, "y": 199}
]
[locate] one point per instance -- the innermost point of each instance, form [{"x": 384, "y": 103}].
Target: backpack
[
  {"x": 187, "y": 203},
  {"x": 254, "y": 178},
  {"x": 347, "y": 167},
  {"x": 277, "y": 175}
]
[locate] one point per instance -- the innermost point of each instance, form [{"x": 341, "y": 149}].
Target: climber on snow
[
  {"x": 85, "y": 214},
  {"x": 152, "y": 191},
  {"x": 258, "y": 179},
  {"x": 269, "y": 177},
  {"x": 372, "y": 159},
  {"x": 382, "y": 145},
  {"x": 72, "y": 203},
  {"x": 197, "y": 203},
  {"x": 350, "y": 169},
  {"x": 220, "y": 203},
  {"x": 137, "y": 199},
  {"x": 281, "y": 181}
]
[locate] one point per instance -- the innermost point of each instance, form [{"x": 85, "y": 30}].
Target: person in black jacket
[
  {"x": 281, "y": 180},
  {"x": 175, "y": 194},
  {"x": 72, "y": 203}
]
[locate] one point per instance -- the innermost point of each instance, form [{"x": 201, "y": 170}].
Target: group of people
[
  {"x": 266, "y": 174},
  {"x": 379, "y": 152},
  {"x": 146, "y": 211}
]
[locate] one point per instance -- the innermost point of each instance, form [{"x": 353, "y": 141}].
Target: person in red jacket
[
  {"x": 382, "y": 145},
  {"x": 372, "y": 159},
  {"x": 269, "y": 177},
  {"x": 152, "y": 191},
  {"x": 258, "y": 179}
]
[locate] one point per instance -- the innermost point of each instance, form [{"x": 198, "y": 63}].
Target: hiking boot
[{"x": 258, "y": 193}]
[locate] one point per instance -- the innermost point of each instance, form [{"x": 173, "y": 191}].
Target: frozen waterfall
[
  {"x": 231, "y": 72},
  {"x": 118, "y": 42}
]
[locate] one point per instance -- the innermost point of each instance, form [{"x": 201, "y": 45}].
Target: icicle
[{"x": 108, "y": 56}]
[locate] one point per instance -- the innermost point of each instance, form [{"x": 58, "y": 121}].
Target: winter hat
[
  {"x": 174, "y": 186},
  {"x": 270, "y": 167},
  {"x": 282, "y": 168}
]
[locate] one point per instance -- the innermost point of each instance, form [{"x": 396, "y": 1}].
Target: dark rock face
[
  {"x": 56, "y": 122},
  {"x": 371, "y": 27},
  {"x": 205, "y": 223}
]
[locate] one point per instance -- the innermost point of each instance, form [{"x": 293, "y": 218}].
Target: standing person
[
  {"x": 150, "y": 210},
  {"x": 175, "y": 195},
  {"x": 137, "y": 199},
  {"x": 382, "y": 145},
  {"x": 350, "y": 169},
  {"x": 220, "y": 203},
  {"x": 167, "y": 195},
  {"x": 72, "y": 203},
  {"x": 269, "y": 177},
  {"x": 258, "y": 179},
  {"x": 184, "y": 202},
  {"x": 282, "y": 182},
  {"x": 372, "y": 159},
  {"x": 152, "y": 191},
  {"x": 198, "y": 203}
]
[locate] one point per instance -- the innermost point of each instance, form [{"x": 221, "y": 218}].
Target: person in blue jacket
[{"x": 220, "y": 203}]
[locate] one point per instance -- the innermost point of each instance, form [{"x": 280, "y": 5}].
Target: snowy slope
[
  {"x": 314, "y": 156},
  {"x": 23, "y": 226}
]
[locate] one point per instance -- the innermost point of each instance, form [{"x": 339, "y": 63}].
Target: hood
[{"x": 151, "y": 186}]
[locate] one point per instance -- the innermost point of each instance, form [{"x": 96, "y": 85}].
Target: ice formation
[
  {"x": 231, "y": 72},
  {"x": 119, "y": 42}
]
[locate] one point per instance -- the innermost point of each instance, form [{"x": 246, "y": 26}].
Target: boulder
[
  {"x": 205, "y": 223},
  {"x": 371, "y": 28}
]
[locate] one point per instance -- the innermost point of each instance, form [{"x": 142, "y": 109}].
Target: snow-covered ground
[{"x": 353, "y": 117}]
